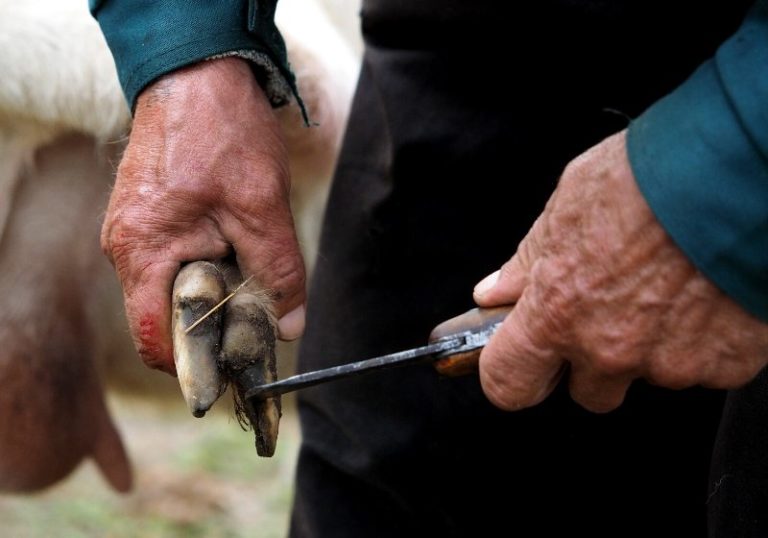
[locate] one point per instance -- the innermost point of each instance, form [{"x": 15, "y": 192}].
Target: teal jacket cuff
[
  {"x": 700, "y": 158},
  {"x": 149, "y": 38}
]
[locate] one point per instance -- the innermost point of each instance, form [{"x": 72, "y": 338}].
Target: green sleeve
[
  {"x": 700, "y": 158},
  {"x": 149, "y": 38}
]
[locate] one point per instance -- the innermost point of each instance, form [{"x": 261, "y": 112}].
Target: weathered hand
[
  {"x": 601, "y": 287},
  {"x": 205, "y": 173}
]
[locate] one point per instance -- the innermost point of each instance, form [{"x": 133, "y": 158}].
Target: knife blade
[{"x": 454, "y": 345}]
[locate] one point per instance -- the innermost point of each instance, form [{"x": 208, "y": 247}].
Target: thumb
[{"x": 506, "y": 285}]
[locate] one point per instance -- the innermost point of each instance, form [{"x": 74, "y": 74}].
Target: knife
[{"x": 454, "y": 347}]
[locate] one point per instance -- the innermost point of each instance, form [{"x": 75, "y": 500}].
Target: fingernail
[
  {"x": 486, "y": 284},
  {"x": 291, "y": 325}
]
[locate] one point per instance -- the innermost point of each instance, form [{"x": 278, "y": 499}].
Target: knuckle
[
  {"x": 269, "y": 194},
  {"x": 673, "y": 376},
  {"x": 595, "y": 403},
  {"x": 285, "y": 278},
  {"x": 555, "y": 290},
  {"x": 574, "y": 170},
  {"x": 122, "y": 258},
  {"x": 611, "y": 361},
  {"x": 525, "y": 254},
  {"x": 506, "y": 394},
  {"x": 551, "y": 321},
  {"x": 203, "y": 186},
  {"x": 290, "y": 278},
  {"x": 507, "y": 271},
  {"x": 510, "y": 386},
  {"x": 733, "y": 375},
  {"x": 597, "y": 392},
  {"x": 130, "y": 246}
]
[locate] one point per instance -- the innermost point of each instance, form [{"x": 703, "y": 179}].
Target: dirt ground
[{"x": 193, "y": 478}]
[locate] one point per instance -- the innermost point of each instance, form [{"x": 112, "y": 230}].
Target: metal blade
[{"x": 392, "y": 360}]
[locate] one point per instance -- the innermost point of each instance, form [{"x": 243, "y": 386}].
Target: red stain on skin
[
  {"x": 148, "y": 332},
  {"x": 150, "y": 347}
]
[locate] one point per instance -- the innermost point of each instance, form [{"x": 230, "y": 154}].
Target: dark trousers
[{"x": 443, "y": 170}]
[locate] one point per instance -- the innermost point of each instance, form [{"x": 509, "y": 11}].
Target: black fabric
[
  {"x": 738, "y": 500},
  {"x": 443, "y": 170}
]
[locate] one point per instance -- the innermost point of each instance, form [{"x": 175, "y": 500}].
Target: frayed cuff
[{"x": 269, "y": 76}]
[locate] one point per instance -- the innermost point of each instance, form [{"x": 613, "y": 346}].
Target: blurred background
[{"x": 193, "y": 477}]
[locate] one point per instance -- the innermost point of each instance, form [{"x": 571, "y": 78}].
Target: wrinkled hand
[
  {"x": 600, "y": 287},
  {"x": 205, "y": 173}
]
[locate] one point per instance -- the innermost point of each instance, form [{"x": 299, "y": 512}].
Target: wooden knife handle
[{"x": 476, "y": 319}]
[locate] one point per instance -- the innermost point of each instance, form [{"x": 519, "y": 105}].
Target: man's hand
[
  {"x": 205, "y": 173},
  {"x": 601, "y": 287}
]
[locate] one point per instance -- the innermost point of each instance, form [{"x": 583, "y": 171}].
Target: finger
[
  {"x": 595, "y": 391},
  {"x": 198, "y": 288},
  {"x": 148, "y": 308},
  {"x": 503, "y": 286},
  {"x": 270, "y": 253},
  {"x": 507, "y": 284},
  {"x": 519, "y": 367},
  {"x": 291, "y": 325}
]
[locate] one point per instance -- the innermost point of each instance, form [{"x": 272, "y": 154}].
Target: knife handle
[{"x": 474, "y": 320}]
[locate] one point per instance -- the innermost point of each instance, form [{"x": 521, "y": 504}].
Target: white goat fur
[{"x": 57, "y": 76}]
